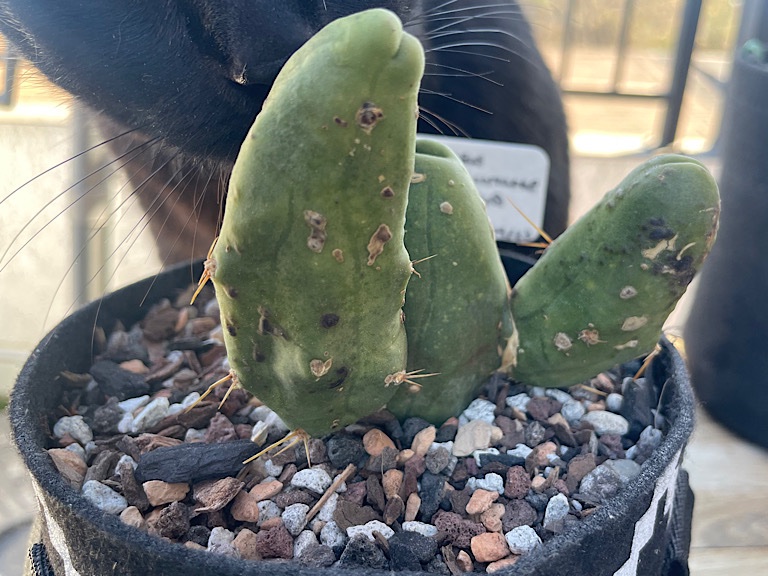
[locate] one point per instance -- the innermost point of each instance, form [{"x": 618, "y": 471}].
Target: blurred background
[{"x": 636, "y": 76}]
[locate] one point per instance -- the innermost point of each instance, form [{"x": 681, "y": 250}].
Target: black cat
[{"x": 179, "y": 83}]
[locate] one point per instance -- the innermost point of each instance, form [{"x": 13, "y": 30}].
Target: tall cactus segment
[
  {"x": 310, "y": 267},
  {"x": 601, "y": 292},
  {"x": 456, "y": 313}
]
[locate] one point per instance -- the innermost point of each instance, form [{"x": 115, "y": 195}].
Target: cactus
[
  {"x": 456, "y": 313},
  {"x": 601, "y": 292},
  {"x": 310, "y": 266}
]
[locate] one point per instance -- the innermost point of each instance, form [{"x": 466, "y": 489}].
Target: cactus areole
[{"x": 331, "y": 199}]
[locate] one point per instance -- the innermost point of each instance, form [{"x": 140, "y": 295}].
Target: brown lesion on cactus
[
  {"x": 417, "y": 178},
  {"x": 329, "y": 320},
  {"x": 338, "y": 255},
  {"x": 590, "y": 336},
  {"x": 633, "y": 323},
  {"x": 376, "y": 244},
  {"x": 320, "y": 368},
  {"x": 231, "y": 328},
  {"x": 446, "y": 208},
  {"x": 367, "y": 116},
  {"x": 231, "y": 292},
  {"x": 562, "y": 342},
  {"x": 257, "y": 354},
  {"x": 317, "y": 236},
  {"x": 267, "y": 326},
  {"x": 387, "y": 192},
  {"x": 627, "y": 344},
  {"x": 340, "y": 122},
  {"x": 627, "y": 292}
]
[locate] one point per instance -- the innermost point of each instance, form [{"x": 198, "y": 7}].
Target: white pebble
[
  {"x": 480, "y": 409},
  {"x": 151, "y": 414},
  {"x": 538, "y": 392},
  {"x": 614, "y": 401},
  {"x": 521, "y": 451},
  {"x": 266, "y": 415},
  {"x": 605, "y": 422},
  {"x": 315, "y": 479},
  {"x": 220, "y": 535},
  {"x": 491, "y": 482},
  {"x": 190, "y": 399},
  {"x": 126, "y": 458},
  {"x": 103, "y": 497},
  {"x": 626, "y": 469},
  {"x": 427, "y": 530},
  {"x": 369, "y": 528},
  {"x": 333, "y": 536},
  {"x": 125, "y": 424},
  {"x": 130, "y": 404},
  {"x": 326, "y": 511},
  {"x": 294, "y": 518},
  {"x": 259, "y": 433},
  {"x": 174, "y": 409},
  {"x": 306, "y": 540},
  {"x": 194, "y": 435},
  {"x": 268, "y": 510},
  {"x": 519, "y": 401},
  {"x": 557, "y": 510},
  {"x": 522, "y": 539},
  {"x": 75, "y": 426}
]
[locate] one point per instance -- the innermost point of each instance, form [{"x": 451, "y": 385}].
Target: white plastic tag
[{"x": 505, "y": 172}]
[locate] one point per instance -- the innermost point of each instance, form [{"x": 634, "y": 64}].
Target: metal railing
[{"x": 673, "y": 95}]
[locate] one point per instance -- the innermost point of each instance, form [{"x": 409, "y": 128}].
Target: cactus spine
[
  {"x": 601, "y": 292},
  {"x": 310, "y": 266},
  {"x": 456, "y": 313}
]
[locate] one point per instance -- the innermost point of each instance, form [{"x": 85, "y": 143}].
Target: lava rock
[{"x": 114, "y": 381}]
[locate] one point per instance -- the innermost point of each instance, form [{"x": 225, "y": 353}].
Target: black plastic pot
[
  {"x": 728, "y": 324},
  {"x": 645, "y": 530}
]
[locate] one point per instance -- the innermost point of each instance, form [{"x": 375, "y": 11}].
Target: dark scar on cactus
[
  {"x": 342, "y": 374},
  {"x": 340, "y": 122},
  {"x": 329, "y": 320},
  {"x": 376, "y": 244},
  {"x": 387, "y": 192},
  {"x": 231, "y": 329},
  {"x": 267, "y": 327},
  {"x": 368, "y": 116}
]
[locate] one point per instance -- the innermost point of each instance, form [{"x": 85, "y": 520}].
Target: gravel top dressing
[{"x": 517, "y": 467}]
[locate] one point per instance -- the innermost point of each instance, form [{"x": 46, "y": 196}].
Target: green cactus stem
[
  {"x": 601, "y": 292},
  {"x": 310, "y": 267},
  {"x": 456, "y": 312}
]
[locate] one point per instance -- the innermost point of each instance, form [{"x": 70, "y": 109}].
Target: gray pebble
[
  {"x": 294, "y": 517},
  {"x": 605, "y": 422},
  {"x": 220, "y": 542},
  {"x": 266, "y": 415},
  {"x": 267, "y": 510},
  {"x": 522, "y": 539},
  {"x": 194, "y": 435},
  {"x": 306, "y": 540},
  {"x": 150, "y": 415},
  {"x": 103, "y": 497},
  {"x": 77, "y": 449},
  {"x": 422, "y": 528},
  {"x": 369, "y": 528},
  {"x": 127, "y": 459},
  {"x": 315, "y": 479},
  {"x": 538, "y": 392},
  {"x": 75, "y": 426},
  {"x": 491, "y": 482},
  {"x": 480, "y": 409},
  {"x": 626, "y": 469},
  {"x": 557, "y": 510},
  {"x": 272, "y": 469},
  {"x": 572, "y": 411},
  {"x": 332, "y": 536},
  {"x": 437, "y": 460},
  {"x": 519, "y": 401},
  {"x": 560, "y": 395},
  {"x": 614, "y": 401},
  {"x": 601, "y": 484}
]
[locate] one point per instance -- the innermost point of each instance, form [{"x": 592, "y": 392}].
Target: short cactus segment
[
  {"x": 456, "y": 313},
  {"x": 601, "y": 292},
  {"x": 310, "y": 267}
]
